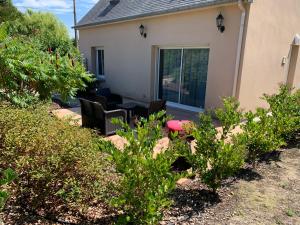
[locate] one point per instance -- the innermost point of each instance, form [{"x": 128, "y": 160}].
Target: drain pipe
[{"x": 239, "y": 49}]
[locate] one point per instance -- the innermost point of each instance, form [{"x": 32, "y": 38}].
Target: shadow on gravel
[
  {"x": 19, "y": 215},
  {"x": 190, "y": 202},
  {"x": 270, "y": 157},
  {"x": 248, "y": 174},
  {"x": 295, "y": 143}
]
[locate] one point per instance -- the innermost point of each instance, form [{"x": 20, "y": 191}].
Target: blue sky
[{"x": 61, "y": 8}]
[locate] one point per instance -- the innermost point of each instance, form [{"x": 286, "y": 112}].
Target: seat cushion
[{"x": 176, "y": 125}]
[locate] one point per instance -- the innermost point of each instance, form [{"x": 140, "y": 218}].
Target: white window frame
[
  {"x": 156, "y": 89},
  {"x": 98, "y": 75}
]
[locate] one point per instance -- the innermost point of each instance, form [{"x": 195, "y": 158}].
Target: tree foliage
[
  {"x": 28, "y": 74},
  {"x": 8, "y": 12},
  {"x": 43, "y": 27},
  {"x": 38, "y": 59}
]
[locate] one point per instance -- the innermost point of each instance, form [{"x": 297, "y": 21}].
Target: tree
[
  {"x": 46, "y": 28},
  {"x": 38, "y": 59},
  {"x": 8, "y": 12},
  {"x": 28, "y": 74}
]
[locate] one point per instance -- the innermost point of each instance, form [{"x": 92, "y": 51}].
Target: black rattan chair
[
  {"x": 109, "y": 100},
  {"x": 95, "y": 116},
  {"x": 153, "y": 107}
]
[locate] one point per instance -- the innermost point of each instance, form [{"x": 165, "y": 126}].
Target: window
[
  {"x": 183, "y": 75},
  {"x": 100, "y": 63}
]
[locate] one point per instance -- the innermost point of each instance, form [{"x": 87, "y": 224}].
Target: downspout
[{"x": 239, "y": 48}]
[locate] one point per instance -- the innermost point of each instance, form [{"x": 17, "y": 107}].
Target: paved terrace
[{"x": 75, "y": 114}]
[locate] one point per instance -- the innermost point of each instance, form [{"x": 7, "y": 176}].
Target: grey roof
[{"x": 108, "y": 11}]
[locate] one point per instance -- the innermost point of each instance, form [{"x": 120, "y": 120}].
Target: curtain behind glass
[
  {"x": 169, "y": 74},
  {"x": 194, "y": 77}
]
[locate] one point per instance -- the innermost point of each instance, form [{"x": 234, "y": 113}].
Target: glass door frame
[{"x": 174, "y": 104}]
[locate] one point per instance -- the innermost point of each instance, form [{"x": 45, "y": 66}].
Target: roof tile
[{"x": 108, "y": 11}]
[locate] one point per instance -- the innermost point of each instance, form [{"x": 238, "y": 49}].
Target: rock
[{"x": 184, "y": 181}]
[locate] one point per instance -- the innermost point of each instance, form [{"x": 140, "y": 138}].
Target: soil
[{"x": 270, "y": 194}]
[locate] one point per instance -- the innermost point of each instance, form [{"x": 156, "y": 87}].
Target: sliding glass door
[{"x": 183, "y": 75}]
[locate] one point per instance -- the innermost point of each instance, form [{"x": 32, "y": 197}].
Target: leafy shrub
[
  {"x": 28, "y": 74},
  {"x": 8, "y": 12},
  {"x": 267, "y": 130},
  {"x": 43, "y": 27},
  {"x": 230, "y": 115},
  {"x": 146, "y": 181},
  {"x": 258, "y": 135},
  {"x": 216, "y": 158},
  {"x": 56, "y": 162},
  {"x": 8, "y": 176},
  {"x": 285, "y": 110},
  {"x": 3, "y": 32},
  {"x": 38, "y": 59}
]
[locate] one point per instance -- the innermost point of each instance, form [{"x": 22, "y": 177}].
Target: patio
[{"x": 74, "y": 114}]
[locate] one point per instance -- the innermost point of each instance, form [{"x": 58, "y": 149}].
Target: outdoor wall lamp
[
  {"x": 143, "y": 31},
  {"x": 220, "y": 23}
]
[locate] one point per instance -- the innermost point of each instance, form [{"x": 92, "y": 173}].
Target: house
[{"x": 193, "y": 52}]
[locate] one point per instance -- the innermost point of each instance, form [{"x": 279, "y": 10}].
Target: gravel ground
[{"x": 268, "y": 195}]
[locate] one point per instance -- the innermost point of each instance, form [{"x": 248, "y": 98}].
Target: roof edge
[{"x": 163, "y": 12}]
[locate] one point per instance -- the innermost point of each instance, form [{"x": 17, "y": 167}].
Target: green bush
[
  {"x": 8, "y": 12},
  {"x": 230, "y": 115},
  {"x": 8, "y": 176},
  {"x": 43, "y": 27},
  {"x": 28, "y": 74},
  {"x": 285, "y": 110},
  {"x": 38, "y": 59},
  {"x": 267, "y": 130},
  {"x": 146, "y": 181},
  {"x": 57, "y": 163},
  {"x": 259, "y": 136},
  {"x": 216, "y": 158}
]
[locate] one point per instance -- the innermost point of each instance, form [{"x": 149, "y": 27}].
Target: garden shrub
[
  {"x": 230, "y": 115},
  {"x": 216, "y": 158},
  {"x": 8, "y": 11},
  {"x": 7, "y": 176},
  {"x": 259, "y": 136},
  {"x": 267, "y": 130},
  {"x": 146, "y": 181},
  {"x": 285, "y": 110},
  {"x": 28, "y": 74},
  {"x": 38, "y": 59},
  {"x": 56, "y": 163},
  {"x": 43, "y": 27}
]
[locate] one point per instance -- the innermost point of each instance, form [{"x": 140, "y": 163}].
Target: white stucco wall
[
  {"x": 130, "y": 59},
  {"x": 272, "y": 26}
]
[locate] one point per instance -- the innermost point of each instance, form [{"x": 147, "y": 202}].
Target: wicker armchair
[
  {"x": 153, "y": 107},
  {"x": 94, "y": 116},
  {"x": 109, "y": 100}
]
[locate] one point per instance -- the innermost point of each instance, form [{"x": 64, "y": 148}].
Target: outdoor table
[{"x": 129, "y": 107}]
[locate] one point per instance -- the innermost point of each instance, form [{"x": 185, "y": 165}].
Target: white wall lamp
[
  {"x": 143, "y": 31},
  {"x": 297, "y": 40}
]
